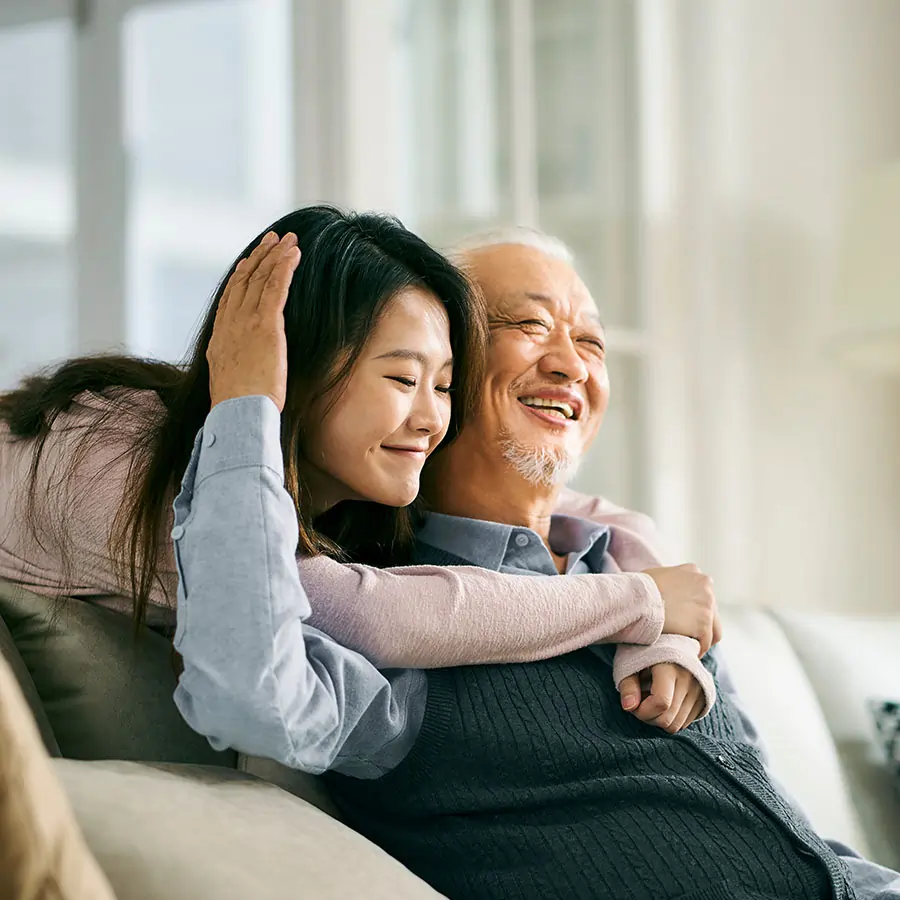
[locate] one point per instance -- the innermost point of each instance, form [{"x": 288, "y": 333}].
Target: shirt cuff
[{"x": 243, "y": 431}]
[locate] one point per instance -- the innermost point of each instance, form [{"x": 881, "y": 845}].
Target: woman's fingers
[
  {"x": 688, "y": 705},
  {"x": 696, "y": 710},
  {"x": 630, "y": 692},
  {"x": 682, "y": 685},
  {"x": 661, "y": 694}
]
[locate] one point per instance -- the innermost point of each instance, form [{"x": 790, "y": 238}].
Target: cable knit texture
[{"x": 529, "y": 781}]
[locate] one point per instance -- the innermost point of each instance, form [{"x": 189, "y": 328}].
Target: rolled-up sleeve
[{"x": 256, "y": 677}]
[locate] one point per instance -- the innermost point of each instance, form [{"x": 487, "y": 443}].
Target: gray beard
[{"x": 539, "y": 466}]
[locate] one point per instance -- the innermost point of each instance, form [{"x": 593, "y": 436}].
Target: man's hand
[
  {"x": 247, "y": 354},
  {"x": 672, "y": 697},
  {"x": 690, "y": 604}
]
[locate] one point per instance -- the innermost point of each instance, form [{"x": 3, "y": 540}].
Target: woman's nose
[{"x": 429, "y": 414}]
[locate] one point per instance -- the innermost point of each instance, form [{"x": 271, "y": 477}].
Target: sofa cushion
[
  {"x": 849, "y": 660},
  {"x": 105, "y": 694},
  {"x": 781, "y": 702},
  {"x": 886, "y": 715},
  {"x": 204, "y": 833},
  {"x": 311, "y": 788}
]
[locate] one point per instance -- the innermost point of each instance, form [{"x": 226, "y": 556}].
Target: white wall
[{"x": 793, "y": 460}]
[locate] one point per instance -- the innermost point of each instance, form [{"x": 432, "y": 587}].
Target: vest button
[{"x": 522, "y": 540}]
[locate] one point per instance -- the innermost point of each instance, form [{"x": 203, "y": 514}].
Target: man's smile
[{"x": 557, "y": 406}]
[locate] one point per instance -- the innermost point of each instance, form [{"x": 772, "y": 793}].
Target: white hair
[
  {"x": 512, "y": 234},
  {"x": 540, "y": 466}
]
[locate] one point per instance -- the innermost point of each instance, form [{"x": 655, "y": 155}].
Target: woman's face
[{"x": 390, "y": 413}]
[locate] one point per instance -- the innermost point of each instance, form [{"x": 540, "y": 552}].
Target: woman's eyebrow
[{"x": 414, "y": 355}]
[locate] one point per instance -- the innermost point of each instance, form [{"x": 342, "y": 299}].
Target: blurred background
[{"x": 725, "y": 171}]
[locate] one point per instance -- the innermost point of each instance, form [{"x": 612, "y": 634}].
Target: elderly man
[{"x": 527, "y": 780}]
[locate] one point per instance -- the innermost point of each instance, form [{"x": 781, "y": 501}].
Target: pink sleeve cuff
[
  {"x": 631, "y": 659},
  {"x": 645, "y": 596}
]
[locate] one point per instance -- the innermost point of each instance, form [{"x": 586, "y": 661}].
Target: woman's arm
[
  {"x": 431, "y": 617},
  {"x": 256, "y": 677},
  {"x": 669, "y": 648},
  {"x": 435, "y": 616},
  {"x": 636, "y": 544}
]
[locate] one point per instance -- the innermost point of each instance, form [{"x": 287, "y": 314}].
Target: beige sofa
[{"x": 222, "y": 827}]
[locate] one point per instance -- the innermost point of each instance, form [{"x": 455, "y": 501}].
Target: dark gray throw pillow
[
  {"x": 105, "y": 695},
  {"x": 886, "y": 715}
]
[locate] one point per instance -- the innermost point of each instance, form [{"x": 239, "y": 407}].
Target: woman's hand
[
  {"x": 675, "y": 697},
  {"x": 247, "y": 354}
]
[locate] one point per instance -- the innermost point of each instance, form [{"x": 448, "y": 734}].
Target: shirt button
[
  {"x": 178, "y": 532},
  {"x": 209, "y": 438},
  {"x": 522, "y": 540}
]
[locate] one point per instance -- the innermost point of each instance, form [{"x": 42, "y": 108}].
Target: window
[
  {"x": 200, "y": 121},
  {"x": 207, "y": 126},
  {"x": 116, "y": 227},
  {"x": 36, "y": 295}
]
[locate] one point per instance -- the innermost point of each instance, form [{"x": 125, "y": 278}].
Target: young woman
[{"x": 93, "y": 454}]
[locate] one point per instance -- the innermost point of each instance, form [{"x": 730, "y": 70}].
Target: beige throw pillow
[{"x": 42, "y": 853}]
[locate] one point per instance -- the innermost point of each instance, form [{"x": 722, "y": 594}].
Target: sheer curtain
[{"x": 523, "y": 112}]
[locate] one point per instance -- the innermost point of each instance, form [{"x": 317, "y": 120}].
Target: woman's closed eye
[
  {"x": 411, "y": 383},
  {"x": 406, "y": 382}
]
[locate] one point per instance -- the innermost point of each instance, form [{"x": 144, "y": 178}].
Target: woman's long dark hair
[{"x": 351, "y": 265}]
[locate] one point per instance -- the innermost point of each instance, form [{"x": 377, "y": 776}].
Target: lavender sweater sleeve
[{"x": 433, "y": 617}]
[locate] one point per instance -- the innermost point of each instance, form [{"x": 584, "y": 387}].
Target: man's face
[{"x": 546, "y": 386}]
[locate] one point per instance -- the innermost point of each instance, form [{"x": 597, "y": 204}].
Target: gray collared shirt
[
  {"x": 519, "y": 551},
  {"x": 256, "y": 676}
]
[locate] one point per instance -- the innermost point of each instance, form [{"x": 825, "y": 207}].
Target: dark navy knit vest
[{"x": 529, "y": 781}]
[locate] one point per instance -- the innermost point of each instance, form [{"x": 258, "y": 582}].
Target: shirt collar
[
  {"x": 478, "y": 542},
  {"x": 586, "y": 540},
  {"x": 488, "y": 544}
]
